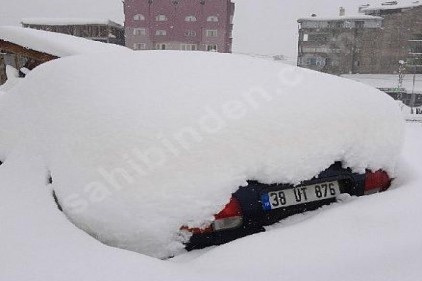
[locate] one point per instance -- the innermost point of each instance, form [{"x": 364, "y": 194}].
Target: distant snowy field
[{"x": 378, "y": 237}]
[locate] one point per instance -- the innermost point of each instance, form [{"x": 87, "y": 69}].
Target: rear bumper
[{"x": 255, "y": 217}]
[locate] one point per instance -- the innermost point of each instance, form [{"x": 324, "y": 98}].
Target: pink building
[{"x": 189, "y": 25}]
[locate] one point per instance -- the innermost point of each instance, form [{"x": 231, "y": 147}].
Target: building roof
[
  {"x": 56, "y": 44},
  {"x": 392, "y": 6},
  {"x": 387, "y": 80},
  {"x": 341, "y": 18},
  {"x": 69, "y": 21}
]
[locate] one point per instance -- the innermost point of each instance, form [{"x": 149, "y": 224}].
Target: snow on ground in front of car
[
  {"x": 375, "y": 238},
  {"x": 140, "y": 144},
  {"x": 12, "y": 79},
  {"x": 39, "y": 243}
]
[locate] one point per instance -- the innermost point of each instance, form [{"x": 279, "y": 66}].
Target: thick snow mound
[
  {"x": 56, "y": 44},
  {"x": 139, "y": 144}
]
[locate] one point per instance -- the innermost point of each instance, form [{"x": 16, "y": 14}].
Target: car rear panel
[{"x": 255, "y": 216}]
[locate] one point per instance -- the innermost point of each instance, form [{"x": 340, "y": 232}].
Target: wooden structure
[
  {"x": 3, "y": 76},
  {"x": 20, "y": 57},
  {"x": 105, "y": 31}
]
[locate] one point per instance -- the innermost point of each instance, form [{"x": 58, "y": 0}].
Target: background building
[
  {"x": 204, "y": 25},
  {"x": 335, "y": 45},
  {"x": 373, "y": 42},
  {"x": 98, "y": 30}
]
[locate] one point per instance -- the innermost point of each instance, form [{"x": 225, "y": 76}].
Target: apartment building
[
  {"x": 374, "y": 41},
  {"x": 188, "y": 25}
]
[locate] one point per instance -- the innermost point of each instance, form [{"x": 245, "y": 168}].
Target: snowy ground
[
  {"x": 377, "y": 237},
  {"x": 387, "y": 80}
]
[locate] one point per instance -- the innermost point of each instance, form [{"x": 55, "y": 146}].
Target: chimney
[
  {"x": 362, "y": 8},
  {"x": 342, "y": 11}
]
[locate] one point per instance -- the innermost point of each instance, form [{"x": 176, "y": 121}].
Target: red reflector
[
  {"x": 231, "y": 210},
  {"x": 377, "y": 181},
  {"x": 229, "y": 218}
]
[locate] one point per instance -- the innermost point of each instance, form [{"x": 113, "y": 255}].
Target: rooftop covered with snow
[
  {"x": 68, "y": 21},
  {"x": 56, "y": 44},
  {"x": 391, "y": 5},
  {"x": 340, "y": 18},
  {"x": 388, "y": 80}
]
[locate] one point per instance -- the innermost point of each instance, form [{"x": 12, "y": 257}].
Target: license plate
[{"x": 300, "y": 195}]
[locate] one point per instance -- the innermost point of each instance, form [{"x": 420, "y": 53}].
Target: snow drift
[{"x": 139, "y": 144}]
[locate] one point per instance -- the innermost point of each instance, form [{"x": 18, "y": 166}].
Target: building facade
[
  {"x": 373, "y": 42},
  {"x": 189, "y": 25},
  {"x": 105, "y": 31}
]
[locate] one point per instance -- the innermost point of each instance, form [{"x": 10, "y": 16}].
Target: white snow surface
[
  {"x": 56, "y": 44},
  {"x": 141, "y": 143},
  {"x": 388, "y": 80},
  {"x": 66, "y": 21},
  {"x": 340, "y": 18},
  {"x": 373, "y": 238},
  {"x": 12, "y": 78},
  {"x": 411, "y": 114},
  {"x": 399, "y": 5}
]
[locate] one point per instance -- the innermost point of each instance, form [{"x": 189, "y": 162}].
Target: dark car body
[{"x": 255, "y": 214}]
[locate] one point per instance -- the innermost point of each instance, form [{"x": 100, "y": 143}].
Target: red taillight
[
  {"x": 376, "y": 181},
  {"x": 232, "y": 209},
  {"x": 229, "y": 218}
]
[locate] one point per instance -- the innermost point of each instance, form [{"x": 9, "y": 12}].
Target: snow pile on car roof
[
  {"x": 140, "y": 144},
  {"x": 56, "y": 44}
]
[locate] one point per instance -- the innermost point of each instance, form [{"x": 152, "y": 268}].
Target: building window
[
  {"x": 211, "y": 33},
  {"x": 190, "y": 18},
  {"x": 160, "y": 46},
  {"x": 188, "y": 47},
  {"x": 360, "y": 24},
  {"x": 212, "y": 19},
  {"x": 316, "y": 61},
  {"x": 416, "y": 37},
  {"x": 190, "y": 33},
  {"x": 318, "y": 37},
  {"x": 139, "y": 17},
  {"x": 161, "y": 18},
  {"x": 139, "y": 46},
  {"x": 139, "y": 31},
  {"x": 161, "y": 33},
  {"x": 212, "y": 48},
  {"x": 305, "y": 37},
  {"x": 336, "y": 24}
]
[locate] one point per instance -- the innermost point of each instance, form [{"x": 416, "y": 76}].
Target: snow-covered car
[
  {"x": 257, "y": 205},
  {"x": 159, "y": 152}
]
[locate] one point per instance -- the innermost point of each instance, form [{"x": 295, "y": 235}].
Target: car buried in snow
[
  {"x": 159, "y": 152},
  {"x": 257, "y": 205}
]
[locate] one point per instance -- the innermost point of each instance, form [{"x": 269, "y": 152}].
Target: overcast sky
[{"x": 261, "y": 26}]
